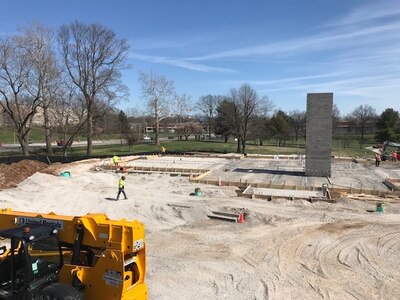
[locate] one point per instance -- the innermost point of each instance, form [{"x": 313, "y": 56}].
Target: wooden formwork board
[
  {"x": 167, "y": 169},
  {"x": 275, "y": 157},
  {"x": 198, "y": 177},
  {"x": 233, "y": 156},
  {"x": 220, "y": 217},
  {"x": 370, "y": 198},
  {"x": 246, "y": 189},
  {"x": 131, "y": 159},
  {"x": 225, "y": 216},
  {"x": 160, "y": 172},
  {"x": 178, "y": 205},
  {"x": 392, "y": 183},
  {"x": 110, "y": 167},
  {"x": 333, "y": 190}
]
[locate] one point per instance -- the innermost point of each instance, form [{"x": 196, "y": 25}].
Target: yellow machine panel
[{"x": 103, "y": 258}]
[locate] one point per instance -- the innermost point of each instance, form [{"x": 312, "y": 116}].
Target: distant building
[
  {"x": 162, "y": 128},
  {"x": 348, "y": 127}
]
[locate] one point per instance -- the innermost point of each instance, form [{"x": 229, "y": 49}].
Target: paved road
[{"x": 11, "y": 147}]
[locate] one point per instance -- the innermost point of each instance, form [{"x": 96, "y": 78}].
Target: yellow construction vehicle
[{"x": 49, "y": 256}]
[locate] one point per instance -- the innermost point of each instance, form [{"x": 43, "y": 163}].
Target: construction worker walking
[
  {"x": 115, "y": 160},
  {"x": 121, "y": 188}
]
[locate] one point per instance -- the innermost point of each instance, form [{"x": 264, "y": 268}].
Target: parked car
[{"x": 62, "y": 143}]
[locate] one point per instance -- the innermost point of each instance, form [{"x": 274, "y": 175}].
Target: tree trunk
[
  {"x": 47, "y": 131},
  {"x": 238, "y": 149},
  {"x": 23, "y": 141},
  {"x": 243, "y": 147},
  {"x": 157, "y": 130},
  {"x": 362, "y": 137},
  {"x": 89, "y": 134}
]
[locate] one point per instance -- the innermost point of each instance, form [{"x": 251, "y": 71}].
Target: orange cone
[{"x": 241, "y": 218}]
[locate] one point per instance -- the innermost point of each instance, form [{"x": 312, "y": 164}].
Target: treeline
[
  {"x": 72, "y": 79},
  {"x": 72, "y": 76},
  {"x": 361, "y": 124}
]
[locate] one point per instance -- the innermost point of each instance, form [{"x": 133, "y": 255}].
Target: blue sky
[{"x": 283, "y": 49}]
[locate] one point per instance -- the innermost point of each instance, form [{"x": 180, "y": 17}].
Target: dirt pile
[{"x": 11, "y": 175}]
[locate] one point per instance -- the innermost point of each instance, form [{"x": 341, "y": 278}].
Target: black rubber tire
[{"x": 60, "y": 291}]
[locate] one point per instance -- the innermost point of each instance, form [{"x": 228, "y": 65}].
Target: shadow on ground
[
  {"x": 110, "y": 199},
  {"x": 274, "y": 172}
]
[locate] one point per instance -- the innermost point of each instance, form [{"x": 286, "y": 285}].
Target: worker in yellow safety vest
[
  {"x": 115, "y": 160},
  {"x": 121, "y": 187},
  {"x": 162, "y": 150}
]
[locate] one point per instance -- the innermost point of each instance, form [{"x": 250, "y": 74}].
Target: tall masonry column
[{"x": 319, "y": 134}]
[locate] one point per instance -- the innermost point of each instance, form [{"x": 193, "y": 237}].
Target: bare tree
[
  {"x": 20, "y": 89},
  {"x": 37, "y": 42},
  {"x": 247, "y": 105},
  {"x": 208, "y": 106},
  {"x": 362, "y": 116},
  {"x": 157, "y": 92},
  {"x": 94, "y": 58},
  {"x": 69, "y": 114},
  {"x": 297, "y": 120},
  {"x": 335, "y": 117},
  {"x": 182, "y": 105}
]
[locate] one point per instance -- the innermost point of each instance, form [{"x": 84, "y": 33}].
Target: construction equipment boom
[
  {"x": 387, "y": 143},
  {"x": 70, "y": 257}
]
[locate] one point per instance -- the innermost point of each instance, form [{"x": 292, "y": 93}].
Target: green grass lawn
[
  {"x": 36, "y": 135},
  {"x": 8, "y": 136},
  {"x": 352, "y": 148},
  {"x": 213, "y": 146}
]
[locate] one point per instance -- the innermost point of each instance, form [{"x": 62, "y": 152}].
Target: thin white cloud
[
  {"x": 179, "y": 63},
  {"x": 313, "y": 43},
  {"x": 170, "y": 43},
  {"x": 370, "y": 50},
  {"x": 362, "y": 86},
  {"x": 370, "y": 12},
  {"x": 280, "y": 80}
]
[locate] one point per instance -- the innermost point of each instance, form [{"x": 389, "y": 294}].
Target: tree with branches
[
  {"x": 20, "y": 87},
  {"x": 69, "y": 114},
  {"x": 158, "y": 92},
  {"x": 182, "y": 105},
  {"x": 297, "y": 122},
  {"x": 246, "y": 106},
  {"x": 388, "y": 125},
  {"x": 363, "y": 115},
  {"x": 94, "y": 58},
  {"x": 208, "y": 106},
  {"x": 37, "y": 42},
  {"x": 279, "y": 127},
  {"x": 223, "y": 124}
]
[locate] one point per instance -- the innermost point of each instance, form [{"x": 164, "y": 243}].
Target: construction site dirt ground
[{"x": 284, "y": 249}]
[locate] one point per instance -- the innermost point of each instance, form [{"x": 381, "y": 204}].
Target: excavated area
[
  {"x": 11, "y": 175},
  {"x": 284, "y": 249}
]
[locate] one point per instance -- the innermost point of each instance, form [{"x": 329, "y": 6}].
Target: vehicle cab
[{"x": 30, "y": 259}]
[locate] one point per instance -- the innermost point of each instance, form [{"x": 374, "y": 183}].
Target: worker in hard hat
[
  {"x": 121, "y": 188},
  {"x": 115, "y": 160},
  {"x": 162, "y": 150}
]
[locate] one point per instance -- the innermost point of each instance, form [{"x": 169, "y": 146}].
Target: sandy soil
[{"x": 284, "y": 250}]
